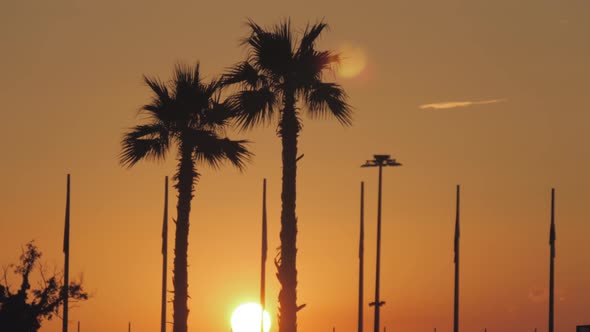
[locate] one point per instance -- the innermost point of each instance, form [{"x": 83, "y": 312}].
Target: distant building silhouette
[{"x": 583, "y": 328}]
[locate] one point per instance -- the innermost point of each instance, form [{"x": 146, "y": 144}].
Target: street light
[{"x": 380, "y": 160}]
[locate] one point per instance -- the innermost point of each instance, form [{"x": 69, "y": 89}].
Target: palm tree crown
[
  {"x": 279, "y": 65},
  {"x": 189, "y": 114}
]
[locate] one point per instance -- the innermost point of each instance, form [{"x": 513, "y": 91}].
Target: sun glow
[
  {"x": 246, "y": 318},
  {"x": 353, "y": 60}
]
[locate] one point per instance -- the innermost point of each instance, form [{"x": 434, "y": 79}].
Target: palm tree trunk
[
  {"x": 287, "y": 270},
  {"x": 186, "y": 175}
]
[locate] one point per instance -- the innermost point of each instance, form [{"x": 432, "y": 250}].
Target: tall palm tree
[
  {"x": 188, "y": 114},
  {"x": 282, "y": 76}
]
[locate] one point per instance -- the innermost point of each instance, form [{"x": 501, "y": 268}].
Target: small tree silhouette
[{"x": 24, "y": 310}]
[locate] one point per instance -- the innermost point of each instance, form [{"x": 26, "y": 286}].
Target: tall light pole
[
  {"x": 66, "y": 249},
  {"x": 263, "y": 258},
  {"x": 164, "y": 258},
  {"x": 361, "y": 258},
  {"x": 457, "y": 239},
  {"x": 552, "y": 261},
  {"x": 380, "y": 160}
]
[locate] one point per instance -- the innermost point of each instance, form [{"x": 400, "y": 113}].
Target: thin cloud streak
[{"x": 456, "y": 104}]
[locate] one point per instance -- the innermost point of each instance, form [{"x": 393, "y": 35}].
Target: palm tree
[
  {"x": 188, "y": 114},
  {"x": 281, "y": 72}
]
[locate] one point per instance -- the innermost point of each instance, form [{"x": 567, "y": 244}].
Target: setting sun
[
  {"x": 353, "y": 60},
  {"x": 246, "y": 318}
]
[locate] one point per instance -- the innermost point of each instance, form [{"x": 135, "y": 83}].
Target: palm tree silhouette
[
  {"x": 281, "y": 71},
  {"x": 188, "y": 114}
]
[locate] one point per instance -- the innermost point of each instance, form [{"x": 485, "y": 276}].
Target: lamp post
[
  {"x": 552, "y": 262},
  {"x": 380, "y": 160}
]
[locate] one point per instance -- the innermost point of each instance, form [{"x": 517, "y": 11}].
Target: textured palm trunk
[
  {"x": 287, "y": 270},
  {"x": 186, "y": 176}
]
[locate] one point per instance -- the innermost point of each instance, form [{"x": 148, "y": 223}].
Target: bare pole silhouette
[
  {"x": 78, "y": 326},
  {"x": 129, "y": 327},
  {"x": 66, "y": 250},
  {"x": 457, "y": 237},
  {"x": 379, "y": 161},
  {"x": 164, "y": 257},
  {"x": 263, "y": 257},
  {"x": 552, "y": 262},
  {"x": 361, "y": 258}
]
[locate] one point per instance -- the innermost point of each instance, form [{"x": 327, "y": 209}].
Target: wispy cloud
[{"x": 456, "y": 104}]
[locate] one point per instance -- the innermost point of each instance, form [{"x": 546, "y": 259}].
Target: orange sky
[{"x": 70, "y": 85}]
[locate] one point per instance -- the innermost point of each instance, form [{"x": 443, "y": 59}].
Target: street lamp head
[
  {"x": 392, "y": 162},
  {"x": 381, "y": 160},
  {"x": 381, "y": 157}
]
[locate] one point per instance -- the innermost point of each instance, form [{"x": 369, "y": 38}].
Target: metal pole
[
  {"x": 378, "y": 269},
  {"x": 457, "y": 237},
  {"x": 66, "y": 249},
  {"x": 263, "y": 257},
  {"x": 379, "y": 161},
  {"x": 552, "y": 262},
  {"x": 361, "y": 258},
  {"x": 164, "y": 257}
]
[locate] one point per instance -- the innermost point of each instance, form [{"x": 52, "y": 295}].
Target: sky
[{"x": 491, "y": 95}]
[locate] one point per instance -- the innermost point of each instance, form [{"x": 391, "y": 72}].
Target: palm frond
[
  {"x": 271, "y": 51},
  {"x": 160, "y": 100},
  {"x": 217, "y": 116},
  {"x": 186, "y": 75},
  {"x": 214, "y": 151},
  {"x": 253, "y": 107},
  {"x": 312, "y": 65},
  {"x": 144, "y": 142},
  {"x": 310, "y": 35},
  {"x": 213, "y": 89},
  {"x": 158, "y": 87},
  {"x": 328, "y": 99},
  {"x": 242, "y": 73}
]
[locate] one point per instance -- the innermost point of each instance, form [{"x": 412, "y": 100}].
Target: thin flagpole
[
  {"x": 457, "y": 238},
  {"x": 164, "y": 256},
  {"x": 263, "y": 257},
  {"x": 361, "y": 258},
  {"x": 66, "y": 250},
  {"x": 552, "y": 262}
]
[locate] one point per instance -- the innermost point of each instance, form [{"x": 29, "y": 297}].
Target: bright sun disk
[
  {"x": 246, "y": 318},
  {"x": 353, "y": 60}
]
